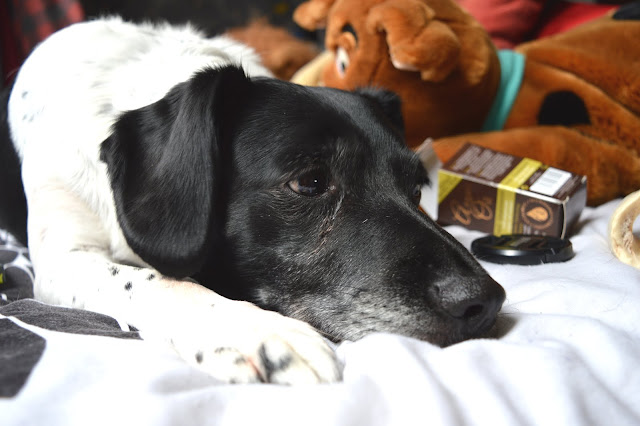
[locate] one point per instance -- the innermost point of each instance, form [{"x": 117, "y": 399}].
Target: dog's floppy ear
[
  {"x": 163, "y": 163},
  {"x": 388, "y": 102}
]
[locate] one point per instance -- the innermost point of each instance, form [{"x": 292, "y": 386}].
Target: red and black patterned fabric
[{"x": 24, "y": 23}]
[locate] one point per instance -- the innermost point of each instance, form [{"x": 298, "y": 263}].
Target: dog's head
[{"x": 303, "y": 200}]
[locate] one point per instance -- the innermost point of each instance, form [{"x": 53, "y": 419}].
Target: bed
[{"x": 566, "y": 352}]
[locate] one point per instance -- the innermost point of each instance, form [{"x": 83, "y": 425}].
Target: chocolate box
[{"x": 501, "y": 194}]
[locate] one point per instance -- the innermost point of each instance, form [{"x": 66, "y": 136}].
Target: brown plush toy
[
  {"x": 571, "y": 101},
  {"x": 282, "y": 53}
]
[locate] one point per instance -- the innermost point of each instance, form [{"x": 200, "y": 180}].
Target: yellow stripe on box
[
  {"x": 446, "y": 183},
  {"x": 506, "y": 196}
]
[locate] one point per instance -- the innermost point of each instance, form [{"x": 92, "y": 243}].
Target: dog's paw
[
  {"x": 275, "y": 359},
  {"x": 239, "y": 343}
]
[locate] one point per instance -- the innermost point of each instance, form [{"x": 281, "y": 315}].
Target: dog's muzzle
[{"x": 471, "y": 305}]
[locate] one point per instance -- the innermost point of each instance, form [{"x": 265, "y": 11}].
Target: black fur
[
  {"x": 628, "y": 11},
  {"x": 13, "y": 205},
  {"x": 168, "y": 217},
  {"x": 299, "y": 199},
  {"x": 563, "y": 108}
]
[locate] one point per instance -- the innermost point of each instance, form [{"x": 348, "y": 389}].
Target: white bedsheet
[{"x": 567, "y": 353}]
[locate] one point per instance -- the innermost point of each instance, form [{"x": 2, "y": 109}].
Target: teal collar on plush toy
[{"x": 511, "y": 72}]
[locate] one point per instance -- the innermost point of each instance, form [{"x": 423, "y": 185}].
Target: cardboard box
[{"x": 501, "y": 194}]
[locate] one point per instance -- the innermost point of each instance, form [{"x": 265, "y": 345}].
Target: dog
[{"x": 246, "y": 221}]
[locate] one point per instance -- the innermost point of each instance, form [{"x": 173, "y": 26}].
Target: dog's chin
[
  {"x": 484, "y": 331},
  {"x": 441, "y": 336},
  {"x": 338, "y": 323},
  {"x": 438, "y": 339}
]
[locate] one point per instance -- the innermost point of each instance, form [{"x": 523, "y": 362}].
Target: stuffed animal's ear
[
  {"x": 434, "y": 41},
  {"x": 416, "y": 41},
  {"x": 388, "y": 102},
  {"x": 163, "y": 164},
  {"x": 312, "y": 14}
]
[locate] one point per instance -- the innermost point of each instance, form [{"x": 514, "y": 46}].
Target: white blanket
[{"x": 567, "y": 352}]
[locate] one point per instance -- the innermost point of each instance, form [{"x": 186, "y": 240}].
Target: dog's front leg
[
  {"x": 74, "y": 254},
  {"x": 233, "y": 341}
]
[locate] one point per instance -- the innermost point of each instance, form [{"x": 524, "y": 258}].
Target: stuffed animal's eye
[
  {"x": 342, "y": 61},
  {"x": 417, "y": 193},
  {"x": 311, "y": 184}
]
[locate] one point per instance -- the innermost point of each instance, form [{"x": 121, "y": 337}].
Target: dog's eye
[
  {"x": 311, "y": 184},
  {"x": 417, "y": 193}
]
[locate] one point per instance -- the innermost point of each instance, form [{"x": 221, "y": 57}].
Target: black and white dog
[{"x": 149, "y": 156}]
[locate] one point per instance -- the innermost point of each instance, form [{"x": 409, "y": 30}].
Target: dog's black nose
[{"x": 472, "y": 302}]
